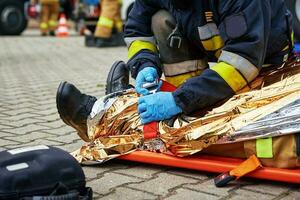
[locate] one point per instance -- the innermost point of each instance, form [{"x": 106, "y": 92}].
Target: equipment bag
[{"x": 41, "y": 172}]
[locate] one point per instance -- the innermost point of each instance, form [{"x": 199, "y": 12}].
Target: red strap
[
  {"x": 167, "y": 87},
  {"x": 151, "y": 129}
]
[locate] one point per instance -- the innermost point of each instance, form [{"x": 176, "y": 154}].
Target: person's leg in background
[
  {"x": 45, "y": 11},
  {"x": 109, "y": 26},
  {"x": 53, "y": 17}
]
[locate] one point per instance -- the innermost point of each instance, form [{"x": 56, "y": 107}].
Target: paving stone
[
  {"x": 4, "y": 142},
  {"x": 141, "y": 171},
  {"x": 42, "y": 107},
  {"x": 20, "y": 117},
  {"x": 22, "y": 122},
  {"x": 188, "y": 173},
  {"x": 269, "y": 188},
  {"x": 17, "y": 111},
  {"x": 48, "y": 118},
  {"x": 209, "y": 187},
  {"x": 61, "y": 130},
  {"x": 53, "y": 124},
  {"x": 128, "y": 194},
  {"x": 92, "y": 172},
  {"x": 2, "y": 109},
  {"x": 27, "y": 104},
  {"x": 71, "y": 146},
  {"x": 250, "y": 195},
  {"x": 190, "y": 195},
  {"x": 161, "y": 184},
  {"x": 2, "y": 115},
  {"x": 26, "y": 129},
  {"x": 5, "y": 126},
  {"x": 68, "y": 138},
  {"x": 292, "y": 195},
  {"x": 110, "y": 181},
  {"x": 5, "y": 134},
  {"x": 35, "y": 143},
  {"x": 13, "y": 102},
  {"x": 45, "y": 112},
  {"x": 29, "y": 137}
]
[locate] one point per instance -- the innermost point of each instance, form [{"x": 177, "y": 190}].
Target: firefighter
[
  {"x": 178, "y": 38},
  {"x": 49, "y": 16},
  {"x": 109, "y": 26}
]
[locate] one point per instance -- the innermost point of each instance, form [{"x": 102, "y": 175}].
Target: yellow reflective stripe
[
  {"x": 213, "y": 43},
  {"x": 139, "y": 45},
  {"x": 232, "y": 77},
  {"x": 43, "y": 25},
  {"x": 119, "y": 25},
  {"x": 264, "y": 148},
  {"x": 103, "y": 21},
  {"x": 180, "y": 79},
  {"x": 52, "y": 23},
  {"x": 292, "y": 37}
]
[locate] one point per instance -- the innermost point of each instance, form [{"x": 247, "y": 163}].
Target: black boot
[
  {"x": 89, "y": 41},
  {"x": 118, "y": 78},
  {"x": 74, "y": 107},
  {"x": 115, "y": 40}
]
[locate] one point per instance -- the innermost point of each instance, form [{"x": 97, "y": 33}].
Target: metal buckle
[{"x": 175, "y": 41}]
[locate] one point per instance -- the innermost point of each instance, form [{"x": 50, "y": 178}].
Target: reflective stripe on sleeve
[
  {"x": 184, "y": 67},
  {"x": 232, "y": 77},
  {"x": 138, "y": 45},
  {"x": 213, "y": 44},
  {"x": 245, "y": 67},
  {"x": 129, "y": 40},
  {"x": 208, "y": 31},
  {"x": 103, "y": 21}
]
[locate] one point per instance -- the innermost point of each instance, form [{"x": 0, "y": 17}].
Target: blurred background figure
[
  {"x": 49, "y": 16},
  {"x": 109, "y": 27}
]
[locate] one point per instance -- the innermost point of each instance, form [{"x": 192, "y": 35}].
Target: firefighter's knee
[{"x": 162, "y": 25}]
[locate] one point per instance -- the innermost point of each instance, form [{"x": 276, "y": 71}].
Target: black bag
[{"x": 40, "y": 173}]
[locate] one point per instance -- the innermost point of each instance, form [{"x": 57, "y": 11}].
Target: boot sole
[{"x": 62, "y": 114}]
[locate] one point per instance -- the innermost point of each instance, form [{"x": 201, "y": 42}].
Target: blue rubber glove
[
  {"x": 157, "y": 107},
  {"x": 148, "y": 74}
]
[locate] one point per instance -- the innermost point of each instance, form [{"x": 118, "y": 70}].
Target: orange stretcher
[
  {"x": 215, "y": 164},
  {"x": 207, "y": 163}
]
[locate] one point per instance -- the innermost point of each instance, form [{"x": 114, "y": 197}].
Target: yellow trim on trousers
[
  {"x": 178, "y": 80},
  {"x": 104, "y": 21}
]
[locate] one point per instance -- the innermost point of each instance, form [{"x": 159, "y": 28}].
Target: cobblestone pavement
[{"x": 31, "y": 68}]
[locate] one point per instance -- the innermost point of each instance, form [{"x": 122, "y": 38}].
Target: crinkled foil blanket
[{"x": 269, "y": 106}]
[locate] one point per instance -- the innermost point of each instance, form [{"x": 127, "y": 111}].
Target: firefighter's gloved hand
[
  {"x": 148, "y": 74},
  {"x": 157, "y": 106}
]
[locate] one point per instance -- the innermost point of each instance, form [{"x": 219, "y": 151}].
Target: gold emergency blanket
[{"x": 271, "y": 107}]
